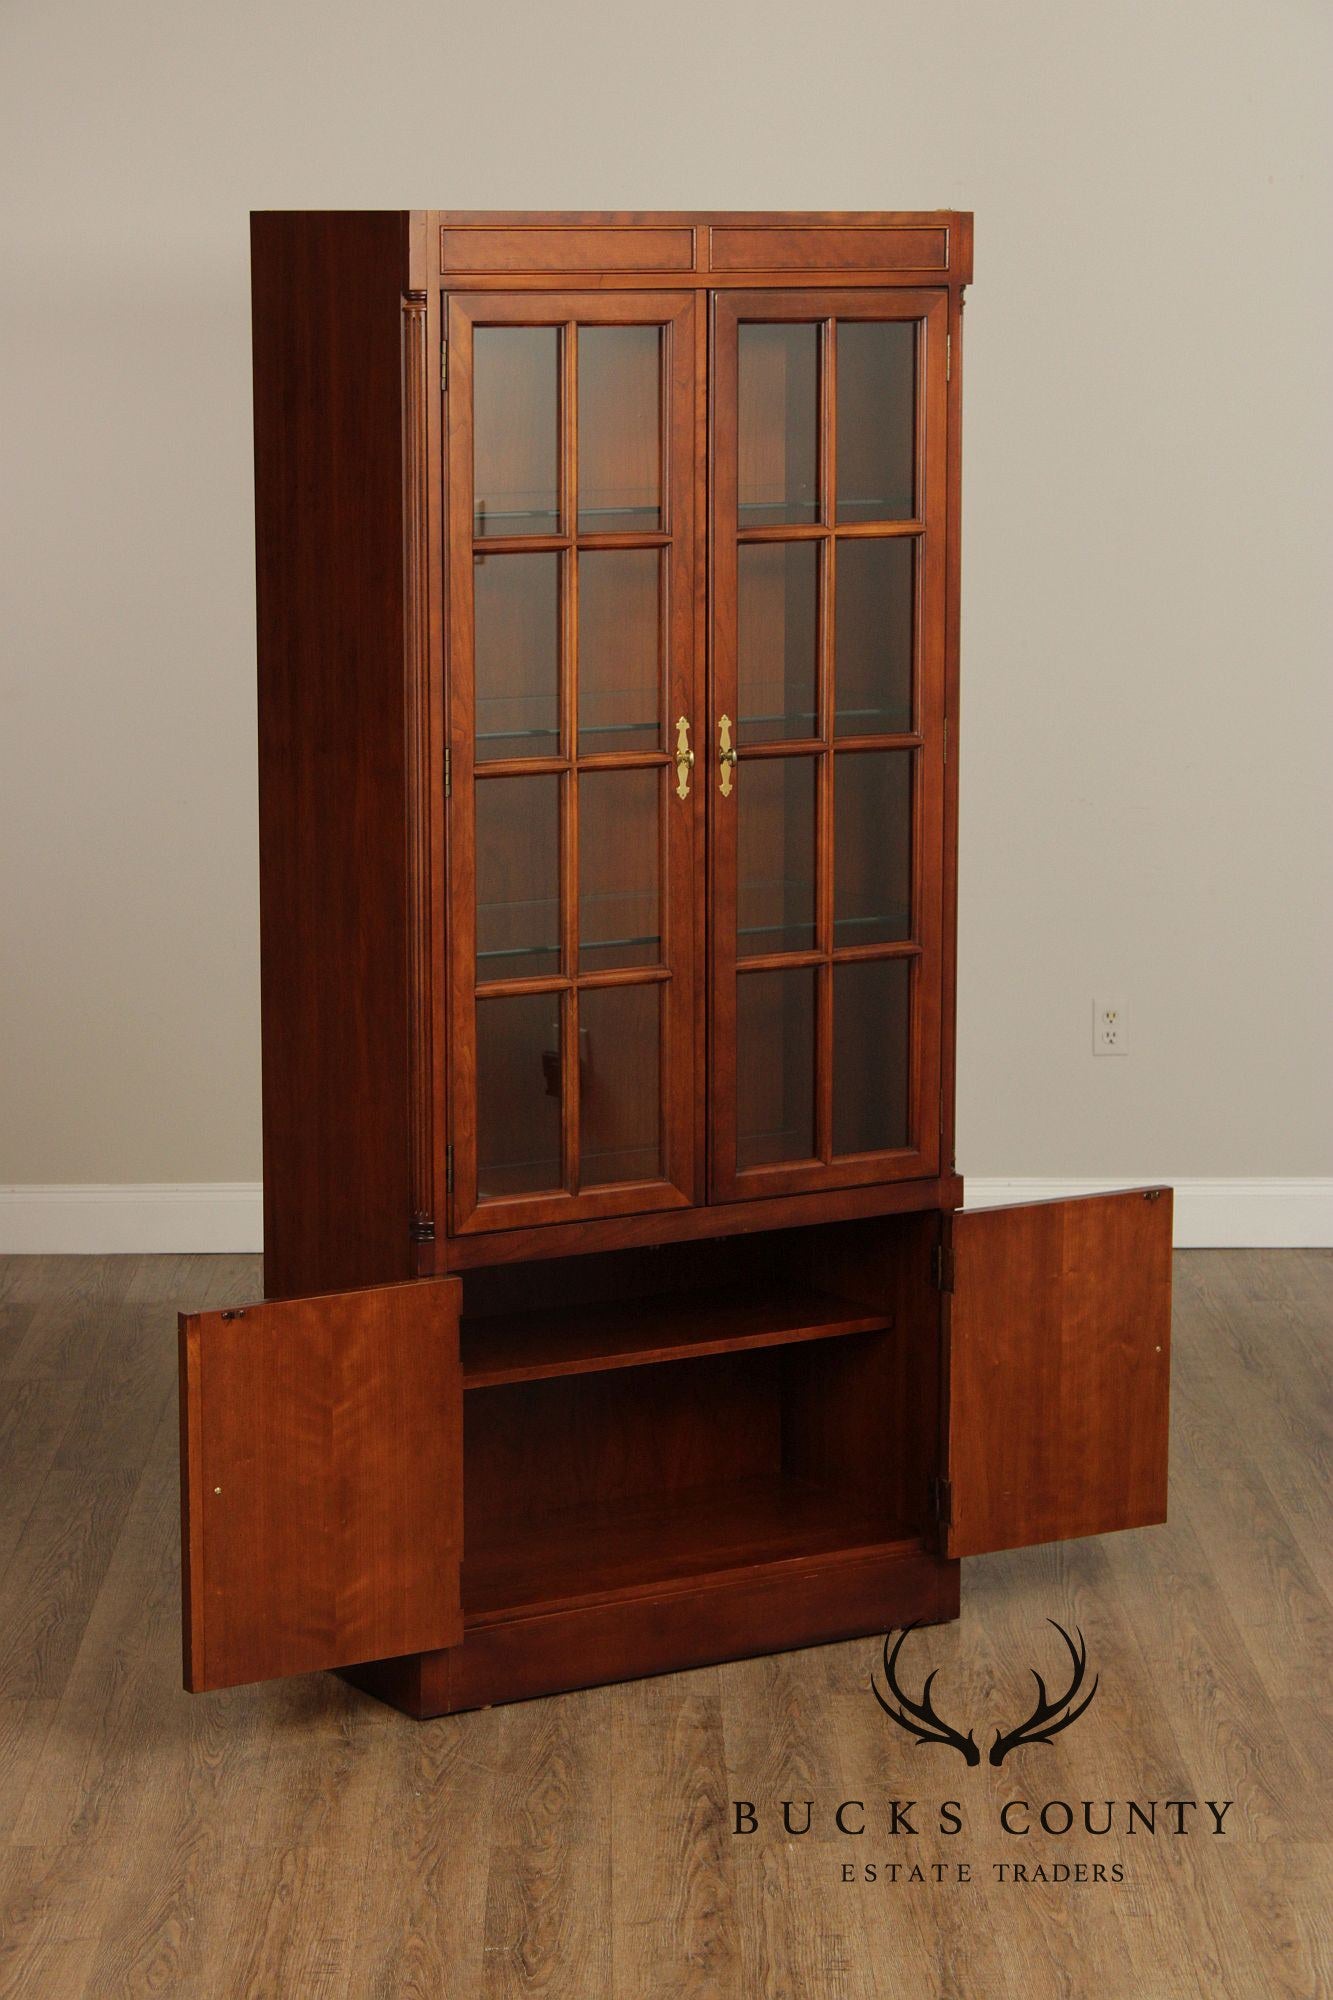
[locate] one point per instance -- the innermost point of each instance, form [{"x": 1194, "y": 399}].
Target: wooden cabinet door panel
[
  {"x": 321, "y": 1482},
  {"x": 1059, "y": 1369},
  {"x": 573, "y": 495},
  {"x": 825, "y": 750}
]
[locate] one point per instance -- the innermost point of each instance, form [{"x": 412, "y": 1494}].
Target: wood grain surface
[
  {"x": 322, "y": 1481},
  {"x": 1060, "y": 1368},
  {"x": 300, "y": 1839},
  {"x": 331, "y": 631}
]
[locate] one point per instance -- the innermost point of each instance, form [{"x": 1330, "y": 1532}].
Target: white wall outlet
[{"x": 1108, "y": 1028}]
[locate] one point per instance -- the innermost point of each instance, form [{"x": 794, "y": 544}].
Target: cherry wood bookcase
[{"x": 621, "y": 1310}]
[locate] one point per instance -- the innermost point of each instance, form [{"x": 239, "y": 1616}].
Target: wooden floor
[{"x": 300, "y": 1840}]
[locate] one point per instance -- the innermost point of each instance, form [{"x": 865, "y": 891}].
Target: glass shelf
[
  {"x": 595, "y": 951},
  {"x": 753, "y": 721},
  {"x": 553, "y": 950},
  {"x": 889, "y": 506},
  {"x": 492, "y": 522},
  {"x": 553, "y": 735}
]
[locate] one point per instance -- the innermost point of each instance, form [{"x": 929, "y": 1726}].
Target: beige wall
[{"x": 1146, "y": 673}]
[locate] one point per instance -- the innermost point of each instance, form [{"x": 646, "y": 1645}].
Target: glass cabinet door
[
  {"x": 575, "y": 812},
  {"x": 826, "y": 738}
]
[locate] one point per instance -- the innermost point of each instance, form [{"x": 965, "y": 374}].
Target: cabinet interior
[{"x": 695, "y": 1409}]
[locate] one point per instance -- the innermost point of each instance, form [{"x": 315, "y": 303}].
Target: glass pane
[
  {"x": 619, "y": 651},
  {"x": 775, "y": 1067},
  {"x": 778, "y": 427},
  {"x": 876, "y": 419},
  {"x": 619, "y": 869},
  {"x": 620, "y": 1090},
  {"x": 775, "y": 891},
  {"x": 515, "y": 426},
  {"x": 516, "y": 602},
  {"x": 518, "y": 877},
  {"x": 620, "y": 429},
  {"x": 871, "y": 1025},
  {"x": 872, "y": 847},
  {"x": 518, "y": 1095},
  {"x": 872, "y": 646},
  {"x": 777, "y": 636}
]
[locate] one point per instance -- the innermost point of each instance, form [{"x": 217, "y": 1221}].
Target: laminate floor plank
[
  {"x": 793, "y": 1933},
  {"x": 14, "y": 1323},
  {"x": 674, "y": 1922},
  {"x": 34, "y": 1417},
  {"x": 301, "y": 1841},
  {"x": 53, "y": 1971},
  {"x": 422, "y": 1906},
  {"x": 76, "y": 1313},
  {"x": 547, "y": 1925},
  {"x": 91, "y": 1784},
  {"x": 51, "y": 1580},
  {"x": 1275, "y": 1594},
  {"x": 294, "y": 1921}
]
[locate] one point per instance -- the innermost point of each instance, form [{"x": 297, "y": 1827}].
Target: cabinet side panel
[{"x": 333, "y": 893}]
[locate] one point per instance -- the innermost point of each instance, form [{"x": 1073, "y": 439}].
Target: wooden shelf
[
  {"x": 533, "y": 1346},
  {"x": 578, "y": 1556}
]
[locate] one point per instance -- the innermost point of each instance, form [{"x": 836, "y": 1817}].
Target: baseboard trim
[
  {"x": 161, "y": 1217},
  {"x": 148, "y": 1217},
  {"x": 1221, "y": 1213}
]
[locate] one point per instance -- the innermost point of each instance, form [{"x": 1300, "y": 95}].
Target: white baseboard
[
  {"x": 150, "y": 1217},
  {"x": 144, "y": 1216},
  {"x": 1210, "y": 1214}
]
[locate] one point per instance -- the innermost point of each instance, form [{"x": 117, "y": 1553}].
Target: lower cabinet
[{"x": 546, "y": 1475}]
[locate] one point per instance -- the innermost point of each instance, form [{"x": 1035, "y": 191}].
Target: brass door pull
[
  {"x": 684, "y": 758},
  {"x": 726, "y": 756}
]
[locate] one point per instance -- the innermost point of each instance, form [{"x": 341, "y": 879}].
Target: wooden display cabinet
[{"x": 622, "y": 1314}]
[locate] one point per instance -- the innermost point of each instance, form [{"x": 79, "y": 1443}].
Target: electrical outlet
[{"x": 1108, "y": 1028}]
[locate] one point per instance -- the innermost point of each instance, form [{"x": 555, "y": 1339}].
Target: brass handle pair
[
  {"x": 726, "y": 756},
  {"x": 684, "y": 758}
]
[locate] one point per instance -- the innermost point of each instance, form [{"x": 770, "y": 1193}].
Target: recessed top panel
[{"x": 789, "y": 247}]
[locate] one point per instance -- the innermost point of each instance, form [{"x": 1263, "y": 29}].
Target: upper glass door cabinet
[
  {"x": 575, "y": 810},
  {"x": 826, "y": 750}
]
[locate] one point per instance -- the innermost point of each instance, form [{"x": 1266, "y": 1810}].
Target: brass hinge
[
  {"x": 941, "y": 1501},
  {"x": 448, "y": 1169},
  {"x": 948, "y": 357},
  {"x": 444, "y": 365},
  {"x": 448, "y": 773},
  {"x": 422, "y": 1227},
  {"x": 942, "y": 1268}
]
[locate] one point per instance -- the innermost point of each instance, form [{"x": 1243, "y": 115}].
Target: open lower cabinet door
[
  {"x": 321, "y": 1482},
  {"x": 1059, "y": 1370}
]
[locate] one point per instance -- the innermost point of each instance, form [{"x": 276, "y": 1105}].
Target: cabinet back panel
[
  {"x": 877, "y": 1413},
  {"x": 594, "y": 1440},
  {"x": 878, "y": 1257}
]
